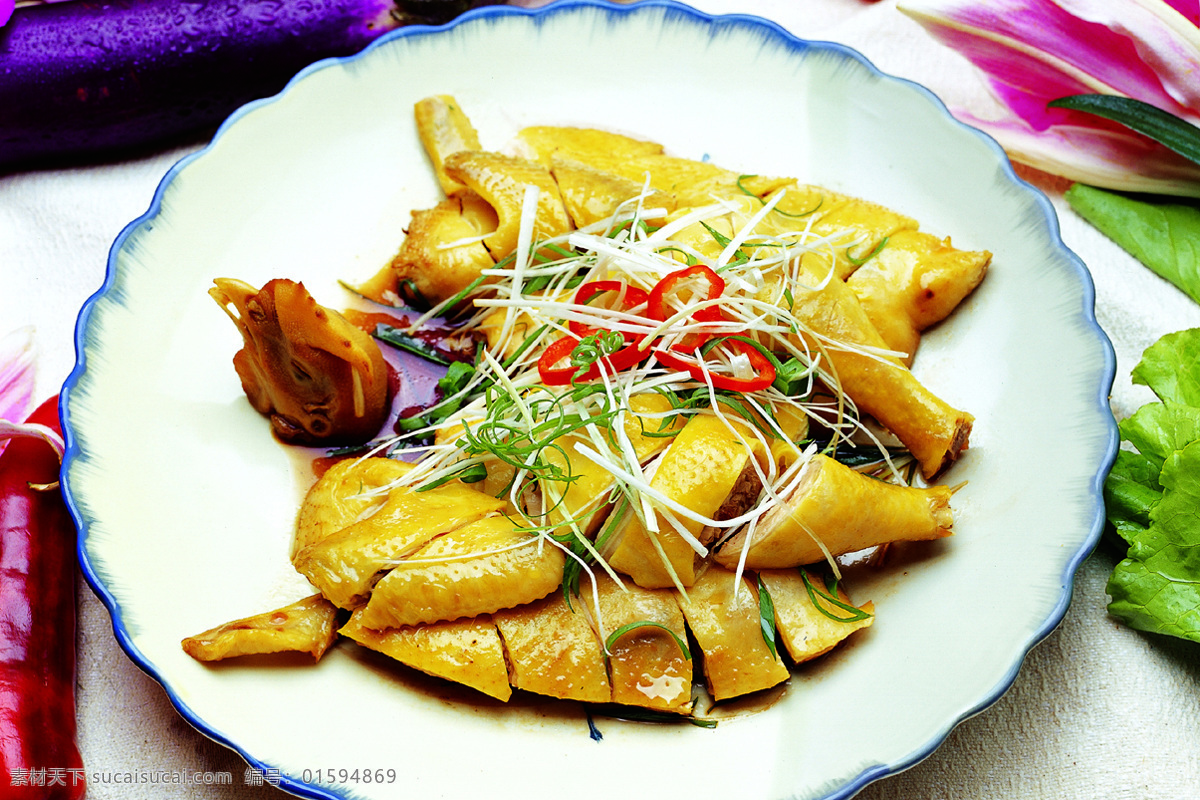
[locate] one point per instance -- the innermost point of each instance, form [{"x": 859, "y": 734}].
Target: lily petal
[
  {"x": 6, "y": 10},
  {"x": 1112, "y": 159},
  {"x": 17, "y": 372},
  {"x": 1190, "y": 10},
  {"x": 1139, "y": 48},
  {"x": 1035, "y": 51}
]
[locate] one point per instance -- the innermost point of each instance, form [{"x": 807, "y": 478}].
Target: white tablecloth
[{"x": 1098, "y": 710}]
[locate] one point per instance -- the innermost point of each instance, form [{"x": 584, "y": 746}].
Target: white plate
[{"x": 185, "y": 502}]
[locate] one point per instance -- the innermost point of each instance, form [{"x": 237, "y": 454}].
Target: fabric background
[{"x": 1098, "y": 711}]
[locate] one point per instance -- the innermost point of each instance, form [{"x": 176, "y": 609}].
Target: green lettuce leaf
[
  {"x": 1157, "y": 588},
  {"x": 1159, "y": 429},
  {"x": 1130, "y": 491},
  {"x": 1152, "y": 496},
  {"x": 1171, "y": 369},
  {"x": 1162, "y": 234}
]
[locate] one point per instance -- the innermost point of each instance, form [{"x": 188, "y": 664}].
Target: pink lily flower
[
  {"x": 16, "y": 390},
  {"x": 1035, "y": 51}
]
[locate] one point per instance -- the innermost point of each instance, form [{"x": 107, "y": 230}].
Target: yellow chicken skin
[
  {"x": 591, "y": 195},
  {"x": 805, "y": 630},
  {"x": 554, "y": 651},
  {"x": 465, "y": 651},
  {"x": 477, "y": 569},
  {"x": 880, "y": 385},
  {"x": 914, "y": 282},
  {"x": 544, "y": 142},
  {"x": 345, "y": 565},
  {"x": 444, "y": 130},
  {"x": 583, "y": 498},
  {"x": 700, "y": 470},
  {"x": 828, "y": 213},
  {"x": 502, "y": 181},
  {"x": 306, "y": 626},
  {"x": 344, "y": 493},
  {"x": 647, "y": 668},
  {"x": 843, "y": 510},
  {"x": 444, "y": 251},
  {"x": 723, "y": 615}
]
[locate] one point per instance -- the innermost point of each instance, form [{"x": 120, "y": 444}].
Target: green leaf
[
  {"x": 1161, "y": 126},
  {"x": 858, "y": 262},
  {"x": 411, "y": 344},
  {"x": 1171, "y": 369},
  {"x": 1130, "y": 491},
  {"x": 1157, "y": 588},
  {"x": 1164, "y": 235},
  {"x": 472, "y": 473},
  {"x": 1159, "y": 429},
  {"x": 766, "y": 617},
  {"x": 646, "y": 623},
  {"x": 829, "y": 596}
]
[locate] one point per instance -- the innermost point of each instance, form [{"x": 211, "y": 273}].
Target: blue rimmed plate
[{"x": 185, "y": 502}]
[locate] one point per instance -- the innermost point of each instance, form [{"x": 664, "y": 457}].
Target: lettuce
[
  {"x": 1162, "y": 233},
  {"x": 1152, "y": 495}
]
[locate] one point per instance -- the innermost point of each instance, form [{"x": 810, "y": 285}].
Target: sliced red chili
[
  {"x": 657, "y": 308},
  {"x": 632, "y": 298},
  {"x": 553, "y": 357},
  {"x": 691, "y": 342},
  {"x": 627, "y": 356},
  {"x": 764, "y": 370},
  {"x": 556, "y": 369}
]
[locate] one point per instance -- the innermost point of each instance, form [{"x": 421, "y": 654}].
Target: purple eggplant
[{"x": 88, "y": 79}]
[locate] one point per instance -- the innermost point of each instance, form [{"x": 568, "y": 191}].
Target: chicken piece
[
  {"x": 526, "y": 322},
  {"x": 710, "y": 238},
  {"x": 443, "y": 252},
  {"x": 628, "y": 158},
  {"x": 466, "y": 651},
  {"x": 343, "y": 494},
  {"x": 320, "y": 380},
  {"x": 879, "y": 385},
  {"x": 553, "y": 650},
  {"x": 647, "y": 668},
  {"x": 805, "y": 630},
  {"x": 702, "y": 468},
  {"x": 914, "y": 282},
  {"x": 477, "y": 569},
  {"x": 845, "y": 511},
  {"x": 584, "y": 498},
  {"x": 691, "y": 183},
  {"x": 376, "y": 533},
  {"x": 591, "y": 195},
  {"x": 306, "y": 626},
  {"x": 502, "y": 182},
  {"x": 722, "y": 613},
  {"x": 444, "y": 130},
  {"x": 544, "y": 142},
  {"x": 863, "y": 228}
]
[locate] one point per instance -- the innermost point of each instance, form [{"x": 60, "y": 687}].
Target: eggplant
[{"x": 85, "y": 80}]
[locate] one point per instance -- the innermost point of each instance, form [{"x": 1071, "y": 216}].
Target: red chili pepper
[
  {"x": 548, "y": 365},
  {"x": 764, "y": 369},
  {"x": 38, "y": 750},
  {"x": 633, "y": 298},
  {"x": 657, "y": 308},
  {"x": 553, "y": 374}
]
